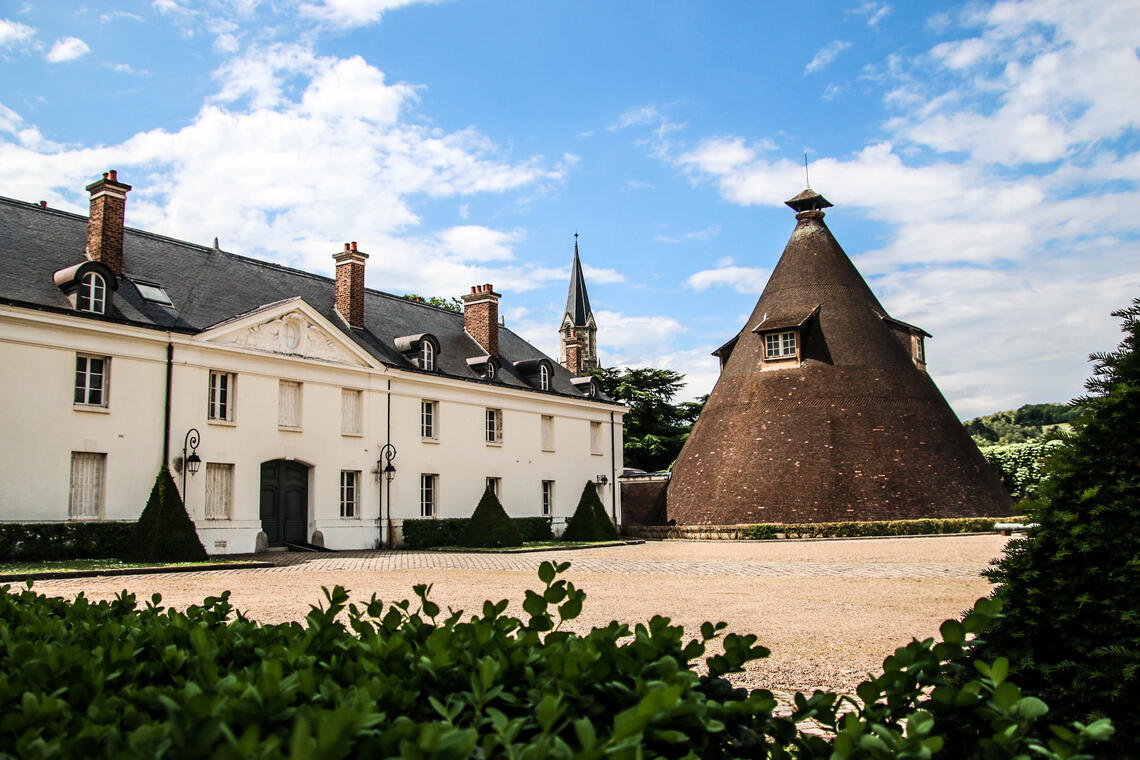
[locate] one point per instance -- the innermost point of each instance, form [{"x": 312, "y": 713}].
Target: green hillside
[{"x": 1025, "y": 424}]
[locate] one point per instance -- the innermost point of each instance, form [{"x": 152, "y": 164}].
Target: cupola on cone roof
[{"x": 824, "y": 410}]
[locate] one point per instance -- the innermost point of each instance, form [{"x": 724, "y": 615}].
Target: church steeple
[{"x": 579, "y": 331}]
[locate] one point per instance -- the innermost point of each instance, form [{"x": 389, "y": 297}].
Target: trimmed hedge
[
  {"x": 590, "y": 521},
  {"x": 49, "y": 542},
  {"x": 164, "y": 532},
  {"x": 426, "y": 533},
  {"x": 489, "y": 525},
  {"x": 878, "y": 528}
]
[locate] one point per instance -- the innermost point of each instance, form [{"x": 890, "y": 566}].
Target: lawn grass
[
  {"x": 527, "y": 545},
  {"x": 71, "y": 565}
]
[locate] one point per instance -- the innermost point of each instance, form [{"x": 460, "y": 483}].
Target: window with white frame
[
  {"x": 428, "y": 414},
  {"x": 349, "y": 493},
  {"x": 427, "y": 356},
  {"x": 544, "y": 378},
  {"x": 351, "y": 411},
  {"x": 289, "y": 404},
  {"x": 91, "y": 379},
  {"x": 219, "y": 491},
  {"x": 595, "y": 438},
  {"x": 919, "y": 351},
  {"x": 428, "y": 492},
  {"x": 495, "y": 484},
  {"x": 88, "y": 473},
  {"x": 221, "y": 402},
  {"x": 547, "y": 432},
  {"x": 780, "y": 345},
  {"x": 92, "y": 294},
  {"x": 547, "y": 498},
  {"x": 494, "y": 429}
]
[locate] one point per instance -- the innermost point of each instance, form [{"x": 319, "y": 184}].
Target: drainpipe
[
  {"x": 166, "y": 410},
  {"x": 613, "y": 471},
  {"x": 387, "y": 483}
]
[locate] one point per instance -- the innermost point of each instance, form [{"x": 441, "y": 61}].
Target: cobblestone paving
[{"x": 589, "y": 561}]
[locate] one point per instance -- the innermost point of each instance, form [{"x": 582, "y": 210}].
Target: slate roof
[
  {"x": 577, "y": 300},
  {"x": 854, "y": 431},
  {"x": 209, "y": 286}
]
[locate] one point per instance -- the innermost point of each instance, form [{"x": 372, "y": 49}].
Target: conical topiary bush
[
  {"x": 164, "y": 532},
  {"x": 489, "y": 525},
  {"x": 590, "y": 521}
]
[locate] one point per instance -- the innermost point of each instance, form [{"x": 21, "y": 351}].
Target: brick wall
[
  {"x": 105, "y": 224},
  {"x": 350, "y": 284},
  {"x": 481, "y": 317}
]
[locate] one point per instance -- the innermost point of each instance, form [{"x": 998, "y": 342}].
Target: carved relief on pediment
[{"x": 293, "y": 335}]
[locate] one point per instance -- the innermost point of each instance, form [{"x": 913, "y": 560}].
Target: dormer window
[
  {"x": 780, "y": 345},
  {"x": 544, "y": 378},
  {"x": 919, "y": 351},
  {"x": 420, "y": 350},
  {"x": 92, "y": 294},
  {"x": 539, "y": 372},
  {"x": 489, "y": 373}
]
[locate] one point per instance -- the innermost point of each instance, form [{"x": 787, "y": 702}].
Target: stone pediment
[{"x": 292, "y": 333}]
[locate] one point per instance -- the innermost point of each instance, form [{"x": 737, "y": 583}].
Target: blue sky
[{"x": 983, "y": 158}]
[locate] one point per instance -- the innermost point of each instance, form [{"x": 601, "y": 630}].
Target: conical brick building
[{"x": 824, "y": 411}]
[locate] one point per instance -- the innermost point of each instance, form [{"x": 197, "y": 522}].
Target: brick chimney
[
  {"x": 481, "y": 317},
  {"x": 573, "y": 348},
  {"x": 105, "y": 224},
  {"x": 350, "y": 284}
]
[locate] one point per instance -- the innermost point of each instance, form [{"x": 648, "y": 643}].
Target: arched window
[
  {"x": 92, "y": 295},
  {"x": 490, "y": 369},
  {"x": 427, "y": 356},
  {"x": 544, "y": 378}
]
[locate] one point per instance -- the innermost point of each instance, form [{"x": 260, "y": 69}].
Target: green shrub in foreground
[
  {"x": 164, "y": 532},
  {"x": 590, "y": 521},
  {"x": 878, "y": 528},
  {"x": 112, "y": 679},
  {"x": 489, "y": 525}
]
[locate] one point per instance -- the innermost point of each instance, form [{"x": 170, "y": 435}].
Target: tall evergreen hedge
[
  {"x": 1071, "y": 622},
  {"x": 590, "y": 521},
  {"x": 489, "y": 525},
  {"x": 164, "y": 532}
]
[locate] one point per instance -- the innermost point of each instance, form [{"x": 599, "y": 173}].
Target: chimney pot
[
  {"x": 114, "y": 175},
  {"x": 43, "y": 204},
  {"x": 354, "y": 245}
]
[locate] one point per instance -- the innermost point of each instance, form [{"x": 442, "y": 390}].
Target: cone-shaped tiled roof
[
  {"x": 854, "y": 429},
  {"x": 577, "y": 300}
]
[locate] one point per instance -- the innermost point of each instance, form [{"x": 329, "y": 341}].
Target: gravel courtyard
[{"x": 830, "y": 611}]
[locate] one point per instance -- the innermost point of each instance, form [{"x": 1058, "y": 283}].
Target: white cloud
[
  {"x": 628, "y": 341},
  {"x": 740, "y": 279},
  {"x": 825, "y": 55},
  {"x": 352, "y": 13},
  {"x": 279, "y": 174},
  {"x": 13, "y": 33},
  {"x": 226, "y": 43},
  {"x": 639, "y": 116},
  {"x": 719, "y": 155},
  {"x": 599, "y": 275},
  {"x": 112, "y": 15},
  {"x": 696, "y": 235},
  {"x": 67, "y": 49},
  {"x": 871, "y": 10}
]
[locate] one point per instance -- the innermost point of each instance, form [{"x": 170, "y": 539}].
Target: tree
[
  {"x": 590, "y": 521},
  {"x": 164, "y": 532},
  {"x": 655, "y": 428},
  {"x": 447, "y": 304},
  {"x": 1071, "y": 620}
]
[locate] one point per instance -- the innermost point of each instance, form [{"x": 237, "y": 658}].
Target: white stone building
[{"x": 116, "y": 343}]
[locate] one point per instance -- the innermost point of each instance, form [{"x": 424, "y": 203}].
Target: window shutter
[
  {"x": 86, "y": 498},
  {"x": 219, "y": 490},
  {"x": 289, "y": 404},
  {"x": 350, "y": 411}
]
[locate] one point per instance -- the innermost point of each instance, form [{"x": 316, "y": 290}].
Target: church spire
[
  {"x": 577, "y": 300},
  {"x": 578, "y": 331}
]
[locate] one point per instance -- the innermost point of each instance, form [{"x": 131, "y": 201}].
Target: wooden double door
[{"x": 285, "y": 502}]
